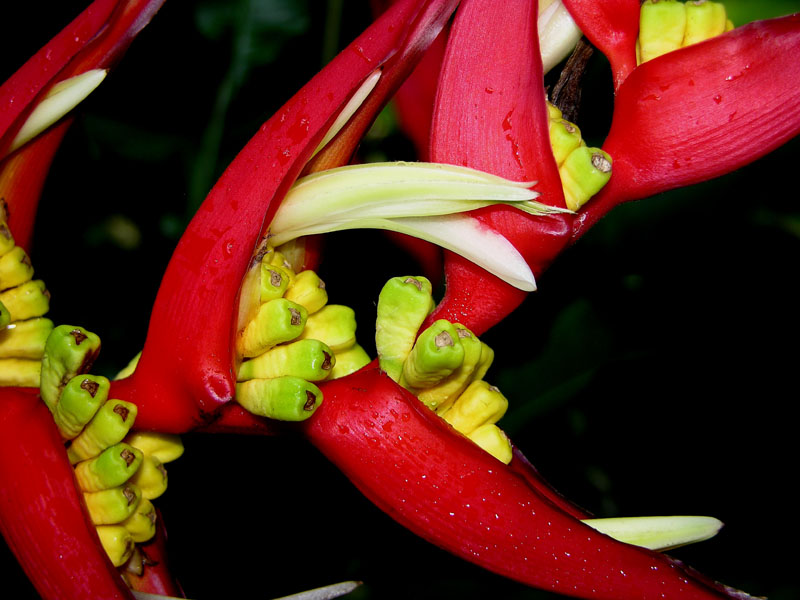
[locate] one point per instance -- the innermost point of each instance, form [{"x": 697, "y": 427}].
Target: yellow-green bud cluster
[
  {"x": 289, "y": 339},
  {"x": 583, "y": 170},
  {"x": 118, "y": 472},
  {"x": 666, "y": 25},
  {"x": 444, "y": 366},
  {"x": 23, "y": 302}
]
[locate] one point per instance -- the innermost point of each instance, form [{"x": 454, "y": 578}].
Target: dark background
[{"x": 653, "y": 373}]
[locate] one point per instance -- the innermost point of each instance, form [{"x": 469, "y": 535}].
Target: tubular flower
[{"x": 490, "y": 114}]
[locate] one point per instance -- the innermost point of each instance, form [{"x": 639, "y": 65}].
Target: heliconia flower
[
  {"x": 490, "y": 115},
  {"x": 687, "y": 116}
]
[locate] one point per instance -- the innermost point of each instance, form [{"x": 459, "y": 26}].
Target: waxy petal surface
[
  {"x": 42, "y": 514},
  {"x": 490, "y": 114},
  {"x": 702, "y": 111},
  {"x": 186, "y": 369},
  {"x": 437, "y": 483},
  {"x": 612, "y": 26}
]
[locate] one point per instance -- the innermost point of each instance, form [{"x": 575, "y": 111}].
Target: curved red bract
[{"x": 42, "y": 514}]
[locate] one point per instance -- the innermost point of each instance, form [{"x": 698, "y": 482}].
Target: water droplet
[{"x": 717, "y": 98}]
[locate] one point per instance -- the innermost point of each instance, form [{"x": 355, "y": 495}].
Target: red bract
[
  {"x": 186, "y": 371},
  {"x": 413, "y": 466},
  {"x": 96, "y": 39},
  {"x": 701, "y": 112},
  {"x": 42, "y": 514},
  {"x": 688, "y": 116},
  {"x": 489, "y": 114}
]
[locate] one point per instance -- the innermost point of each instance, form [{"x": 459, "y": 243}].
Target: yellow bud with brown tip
[
  {"x": 15, "y": 268},
  {"x": 492, "y": 439},
  {"x": 108, "y": 507},
  {"x": 308, "y": 290},
  {"x": 480, "y": 404},
  {"x": 150, "y": 477},
  {"x": 583, "y": 174},
  {"x": 142, "y": 523},
  {"x": 117, "y": 542}
]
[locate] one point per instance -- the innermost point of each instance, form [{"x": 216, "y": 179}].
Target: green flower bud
[
  {"x": 69, "y": 351},
  {"x": 276, "y": 322},
  {"x": 564, "y": 138},
  {"x": 109, "y": 507},
  {"x": 274, "y": 281},
  {"x": 307, "y": 359},
  {"x": 108, "y": 427},
  {"x": 111, "y": 468},
  {"x": 436, "y": 354},
  {"x": 403, "y": 304},
  {"x": 282, "y": 398},
  {"x": 440, "y": 396},
  {"x": 583, "y": 174},
  {"x": 80, "y": 400}
]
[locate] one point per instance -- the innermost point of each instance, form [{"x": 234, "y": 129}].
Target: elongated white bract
[
  {"x": 658, "y": 533},
  {"x": 62, "y": 98},
  {"x": 558, "y": 34},
  {"x": 418, "y": 199}
]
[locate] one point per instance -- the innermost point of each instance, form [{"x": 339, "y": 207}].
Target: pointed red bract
[
  {"x": 19, "y": 91},
  {"x": 702, "y": 111},
  {"x": 22, "y": 177},
  {"x": 612, "y": 26},
  {"x": 42, "y": 514},
  {"x": 96, "y": 39},
  {"x": 490, "y": 114},
  {"x": 440, "y": 485},
  {"x": 186, "y": 370}
]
